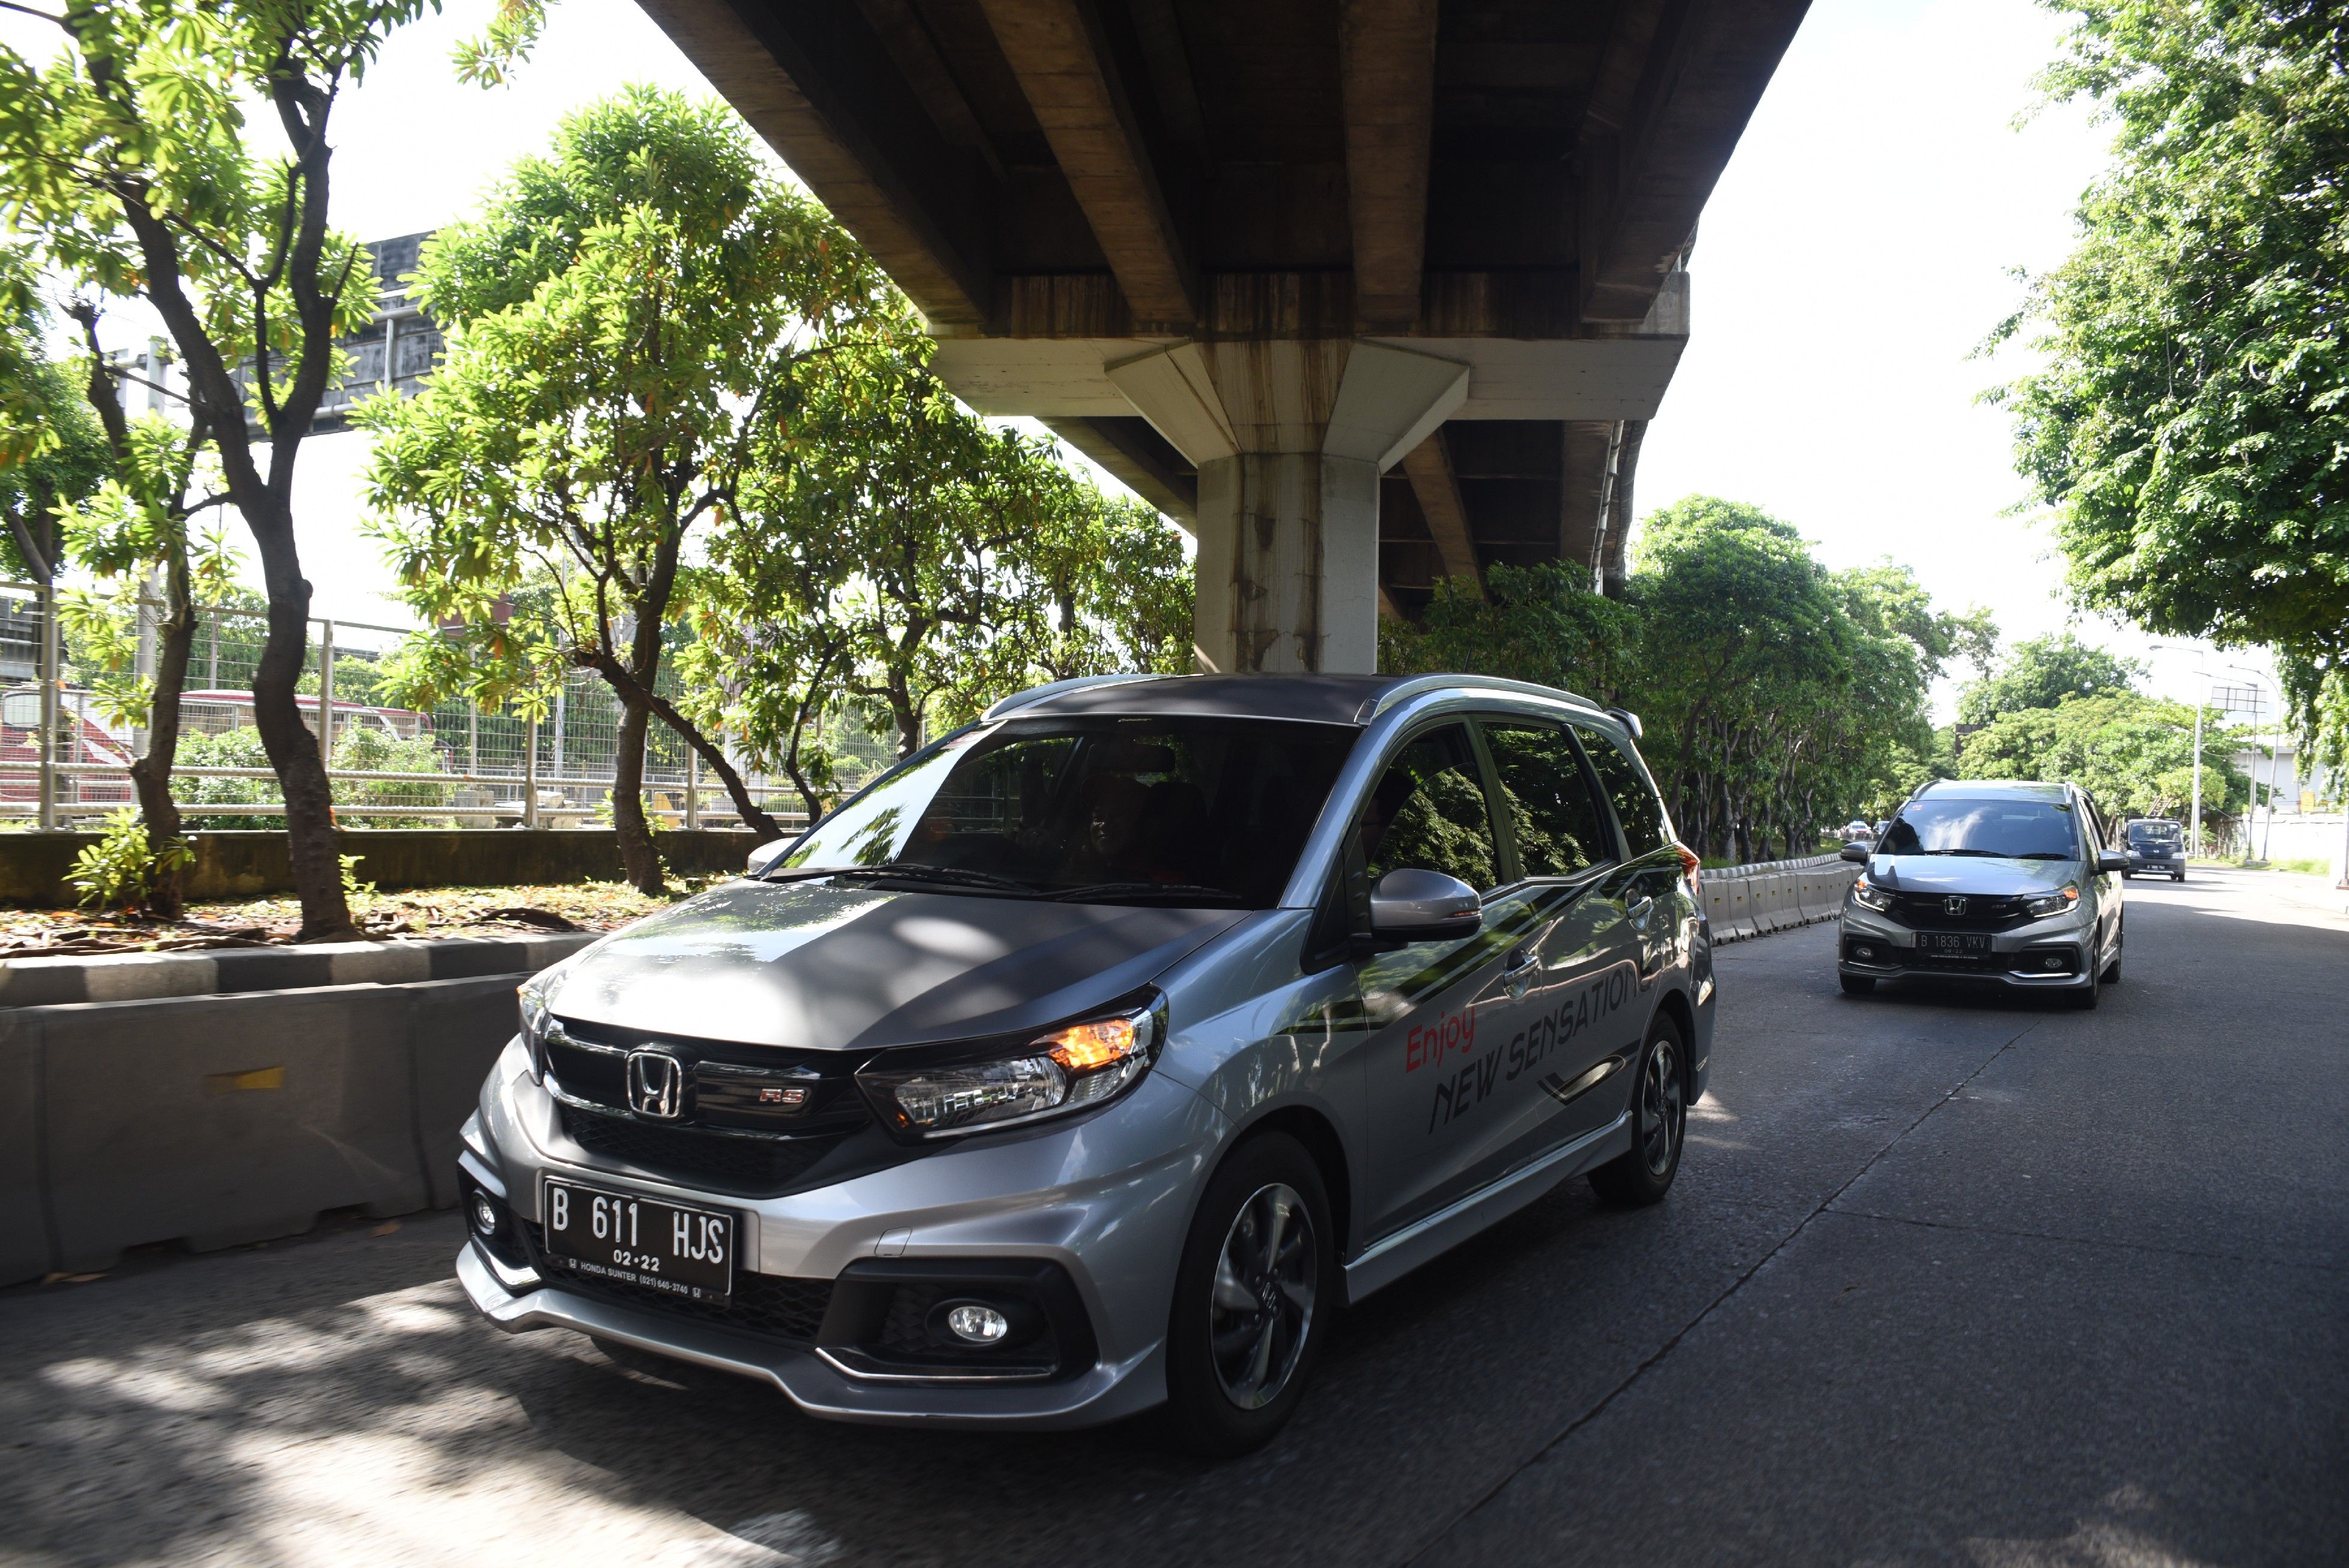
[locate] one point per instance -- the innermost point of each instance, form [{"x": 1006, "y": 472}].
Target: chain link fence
[{"x": 65, "y": 755}]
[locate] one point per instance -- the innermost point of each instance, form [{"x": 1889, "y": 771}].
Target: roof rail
[
  {"x": 1020, "y": 699},
  {"x": 1419, "y": 686}
]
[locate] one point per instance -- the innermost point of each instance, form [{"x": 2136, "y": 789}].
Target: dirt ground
[{"x": 413, "y": 913}]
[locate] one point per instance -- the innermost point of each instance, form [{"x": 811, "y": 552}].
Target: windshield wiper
[
  {"x": 911, "y": 871},
  {"x": 1115, "y": 890}
]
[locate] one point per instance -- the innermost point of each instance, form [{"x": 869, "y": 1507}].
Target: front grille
[
  {"x": 1928, "y": 912},
  {"x": 770, "y": 1307},
  {"x": 754, "y": 1166}
]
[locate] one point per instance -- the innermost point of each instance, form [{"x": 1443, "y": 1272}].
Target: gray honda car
[
  {"x": 1094, "y": 1056},
  {"x": 1989, "y": 880}
]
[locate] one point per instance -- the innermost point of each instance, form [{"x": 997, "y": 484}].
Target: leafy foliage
[
  {"x": 120, "y": 869},
  {"x": 52, "y": 452},
  {"x": 135, "y": 161},
  {"x": 2041, "y": 672},
  {"x": 2192, "y": 424},
  {"x": 2134, "y": 753},
  {"x": 1779, "y": 698}
]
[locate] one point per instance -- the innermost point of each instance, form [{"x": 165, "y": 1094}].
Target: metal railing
[{"x": 65, "y": 760}]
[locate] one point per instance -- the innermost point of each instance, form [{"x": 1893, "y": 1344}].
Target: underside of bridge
[{"x": 1366, "y": 293}]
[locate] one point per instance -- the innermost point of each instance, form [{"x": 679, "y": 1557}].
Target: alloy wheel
[
  {"x": 1261, "y": 1308},
  {"x": 1660, "y": 1108}
]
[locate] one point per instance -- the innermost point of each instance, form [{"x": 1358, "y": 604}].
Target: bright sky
[{"x": 1855, "y": 254}]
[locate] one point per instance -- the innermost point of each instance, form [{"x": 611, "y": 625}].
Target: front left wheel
[{"x": 1253, "y": 1296}]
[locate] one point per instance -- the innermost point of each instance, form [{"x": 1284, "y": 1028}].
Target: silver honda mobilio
[
  {"x": 1093, "y": 1056},
  {"x": 1987, "y": 880}
]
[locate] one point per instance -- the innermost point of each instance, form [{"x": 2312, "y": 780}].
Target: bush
[
  {"x": 118, "y": 872},
  {"x": 231, "y": 748}
]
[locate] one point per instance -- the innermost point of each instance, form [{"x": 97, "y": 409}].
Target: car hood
[
  {"x": 1969, "y": 874},
  {"x": 855, "y": 968}
]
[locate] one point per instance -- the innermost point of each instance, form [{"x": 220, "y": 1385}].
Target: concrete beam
[
  {"x": 1429, "y": 467},
  {"x": 815, "y": 82},
  {"x": 1508, "y": 379},
  {"x": 1055, "y": 49},
  {"x": 1646, "y": 176},
  {"x": 1141, "y": 460},
  {"x": 1386, "y": 61}
]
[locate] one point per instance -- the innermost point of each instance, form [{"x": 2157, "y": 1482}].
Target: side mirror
[
  {"x": 2111, "y": 860},
  {"x": 1413, "y": 906},
  {"x": 1856, "y": 853},
  {"x": 765, "y": 855}
]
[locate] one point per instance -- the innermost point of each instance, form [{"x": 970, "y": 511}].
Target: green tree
[
  {"x": 133, "y": 534},
  {"x": 2192, "y": 423},
  {"x": 132, "y": 161},
  {"x": 908, "y": 559},
  {"x": 52, "y": 452},
  {"x": 627, "y": 328},
  {"x": 2041, "y": 672},
  {"x": 2134, "y": 753}
]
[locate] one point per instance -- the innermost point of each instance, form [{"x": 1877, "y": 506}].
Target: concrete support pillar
[{"x": 1289, "y": 436}]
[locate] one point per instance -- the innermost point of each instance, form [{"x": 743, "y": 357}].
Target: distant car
[
  {"x": 1858, "y": 833},
  {"x": 2156, "y": 847},
  {"x": 1990, "y": 881}
]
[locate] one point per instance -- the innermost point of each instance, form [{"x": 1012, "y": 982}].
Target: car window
[
  {"x": 1559, "y": 827},
  {"x": 2154, "y": 833},
  {"x": 1626, "y": 783},
  {"x": 1429, "y": 810},
  {"x": 1218, "y": 806},
  {"x": 2014, "y": 830}
]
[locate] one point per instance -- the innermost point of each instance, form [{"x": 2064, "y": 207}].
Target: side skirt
[{"x": 1390, "y": 1258}]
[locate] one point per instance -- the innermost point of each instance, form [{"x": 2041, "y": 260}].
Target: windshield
[
  {"x": 2154, "y": 833},
  {"x": 2016, "y": 829},
  {"x": 1115, "y": 810}
]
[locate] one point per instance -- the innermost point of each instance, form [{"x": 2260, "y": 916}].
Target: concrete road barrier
[
  {"x": 224, "y": 1119},
  {"x": 215, "y": 1120}
]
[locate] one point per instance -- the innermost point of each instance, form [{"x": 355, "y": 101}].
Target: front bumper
[
  {"x": 2156, "y": 866},
  {"x": 1105, "y": 1199},
  {"x": 1876, "y": 947}
]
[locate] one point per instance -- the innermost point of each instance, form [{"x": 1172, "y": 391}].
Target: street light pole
[{"x": 2258, "y": 686}]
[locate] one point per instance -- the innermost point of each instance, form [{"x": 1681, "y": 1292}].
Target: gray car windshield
[
  {"x": 2009, "y": 830},
  {"x": 1208, "y": 811},
  {"x": 2154, "y": 833}
]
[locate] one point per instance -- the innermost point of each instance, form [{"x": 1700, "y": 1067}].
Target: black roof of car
[{"x": 1322, "y": 699}]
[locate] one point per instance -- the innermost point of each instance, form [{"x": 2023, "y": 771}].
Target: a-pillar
[{"x": 1289, "y": 436}]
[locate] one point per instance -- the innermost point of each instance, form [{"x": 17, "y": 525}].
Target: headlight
[
  {"x": 1054, "y": 1074},
  {"x": 537, "y": 1020},
  {"x": 2061, "y": 901},
  {"x": 1870, "y": 896}
]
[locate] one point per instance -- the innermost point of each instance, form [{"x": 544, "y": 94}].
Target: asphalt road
[{"x": 1944, "y": 1280}]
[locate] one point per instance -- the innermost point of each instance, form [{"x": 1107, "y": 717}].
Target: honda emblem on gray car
[
  {"x": 656, "y": 1085},
  {"x": 1949, "y": 906}
]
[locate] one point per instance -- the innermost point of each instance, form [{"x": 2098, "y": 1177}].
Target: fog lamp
[
  {"x": 2055, "y": 961},
  {"x": 976, "y": 1324},
  {"x": 485, "y": 1214},
  {"x": 1863, "y": 951}
]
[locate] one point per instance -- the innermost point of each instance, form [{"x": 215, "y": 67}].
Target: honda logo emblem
[
  {"x": 1949, "y": 906},
  {"x": 656, "y": 1085}
]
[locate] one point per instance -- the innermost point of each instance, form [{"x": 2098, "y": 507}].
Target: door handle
[
  {"x": 1641, "y": 910},
  {"x": 1523, "y": 961}
]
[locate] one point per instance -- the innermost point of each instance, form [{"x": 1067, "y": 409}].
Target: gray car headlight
[
  {"x": 2063, "y": 901},
  {"x": 1057, "y": 1073},
  {"x": 538, "y": 1022},
  {"x": 1867, "y": 895}
]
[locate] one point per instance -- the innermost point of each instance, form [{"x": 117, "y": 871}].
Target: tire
[
  {"x": 1857, "y": 985},
  {"x": 2086, "y": 999},
  {"x": 2177, "y": 876},
  {"x": 1238, "y": 1360},
  {"x": 2112, "y": 975},
  {"x": 1643, "y": 1173}
]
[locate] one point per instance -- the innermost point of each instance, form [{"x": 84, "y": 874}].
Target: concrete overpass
[{"x": 1365, "y": 292}]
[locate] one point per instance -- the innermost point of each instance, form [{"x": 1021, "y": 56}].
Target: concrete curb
[{"x": 145, "y": 976}]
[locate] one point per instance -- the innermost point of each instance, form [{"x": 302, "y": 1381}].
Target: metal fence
[{"x": 65, "y": 757}]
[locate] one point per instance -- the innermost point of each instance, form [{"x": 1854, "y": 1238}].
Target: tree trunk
[
  {"x": 150, "y": 775},
  {"x": 292, "y": 749},
  {"x": 639, "y": 860}
]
